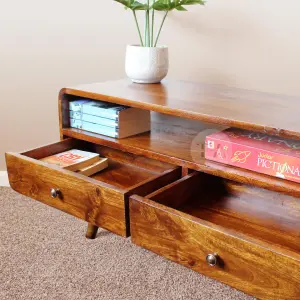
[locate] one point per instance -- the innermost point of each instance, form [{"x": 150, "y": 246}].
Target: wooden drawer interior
[
  {"x": 101, "y": 199},
  {"x": 268, "y": 217},
  {"x": 124, "y": 171},
  {"x": 254, "y": 233}
]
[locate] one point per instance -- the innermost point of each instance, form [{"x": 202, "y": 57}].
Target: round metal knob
[
  {"x": 55, "y": 193},
  {"x": 212, "y": 259}
]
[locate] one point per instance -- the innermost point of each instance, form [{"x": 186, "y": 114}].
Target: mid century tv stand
[{"x": 234, "y": 225}]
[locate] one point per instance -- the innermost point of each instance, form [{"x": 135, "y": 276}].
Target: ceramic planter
[{"x": 146, "y": 64}]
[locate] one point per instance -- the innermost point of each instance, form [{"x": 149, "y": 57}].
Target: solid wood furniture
[
  {"x": 101, "y": 199},
  {"x": 234, "y": 225}
]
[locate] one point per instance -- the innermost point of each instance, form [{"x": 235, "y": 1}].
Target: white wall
[{"x": 46, "y": 45}]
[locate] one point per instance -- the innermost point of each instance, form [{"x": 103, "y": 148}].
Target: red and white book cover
[
  {"x": 255, "y": 151},
  {"x": 72, "y": 160}
]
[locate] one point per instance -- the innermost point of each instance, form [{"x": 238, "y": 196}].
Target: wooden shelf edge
[
  {"x": 208, "y": 118},
  {"x": 209, "y": 167}
]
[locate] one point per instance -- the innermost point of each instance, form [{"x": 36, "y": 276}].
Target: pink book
[{"x": 255, "y": 151}]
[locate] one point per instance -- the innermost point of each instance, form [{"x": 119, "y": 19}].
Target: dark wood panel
[
  {"x": 274, "y": 114},
  {"x": 243, "y": 264}
]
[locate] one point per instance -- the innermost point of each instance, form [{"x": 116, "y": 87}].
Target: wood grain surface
[
  {"x": 250, "y": 220},
  {"x": 99, "y": 199},
  {"x": 82, "y": 197},
  {"x": 178, "y": 137},
  {"x": 271, "y": 218},
  {"x": 250, "y": 263},
  {"x": 274, "y": 114},
  {"x": 183, "y": 149}
]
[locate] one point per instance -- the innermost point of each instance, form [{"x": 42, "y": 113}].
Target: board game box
[{"x": 255, "y": 151}]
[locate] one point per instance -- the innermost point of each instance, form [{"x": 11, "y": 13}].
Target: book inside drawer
[
  {"x": 101, "y": 199},
  {"x": 268, "y": 218},
  {"x": 124, "y": 170}
]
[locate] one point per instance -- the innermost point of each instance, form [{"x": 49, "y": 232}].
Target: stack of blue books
[{"x": 109, "y": 119}]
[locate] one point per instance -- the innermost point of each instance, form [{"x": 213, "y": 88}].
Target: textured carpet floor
[{"x": 44, "y": 255}]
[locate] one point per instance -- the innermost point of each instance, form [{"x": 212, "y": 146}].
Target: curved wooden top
[{"x": 263, "y": 112}]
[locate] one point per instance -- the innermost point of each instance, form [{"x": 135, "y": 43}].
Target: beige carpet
[{"x": 44, "y": 255}]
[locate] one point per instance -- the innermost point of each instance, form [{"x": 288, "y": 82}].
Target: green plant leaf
[
  {"x": 138, "y": 6},
  {"x": 192, "y": 2},
  {"x": 133, "y": 4},
  {"x": 161, "y": 5},
  {"x": 168, "y": 5},
  {"x": 126, "y": 3},
  {"x": 180, "y": 8}
]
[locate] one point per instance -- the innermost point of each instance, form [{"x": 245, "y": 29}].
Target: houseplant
[{"x": 148, "y": 62}]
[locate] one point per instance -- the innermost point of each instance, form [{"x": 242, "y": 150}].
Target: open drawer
[
  {"x": 101, "y": 199},
  {"x": 244, "y": 236}
]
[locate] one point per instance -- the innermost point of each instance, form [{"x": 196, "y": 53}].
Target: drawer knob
[
  {"x": 212, "y": 259},
  {"x": 55, "y": 193}
]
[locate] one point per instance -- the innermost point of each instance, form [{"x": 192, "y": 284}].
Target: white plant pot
[{"x": 146, "y": 64}]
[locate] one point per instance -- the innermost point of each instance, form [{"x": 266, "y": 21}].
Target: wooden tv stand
[{"x": 234, "y": 225}]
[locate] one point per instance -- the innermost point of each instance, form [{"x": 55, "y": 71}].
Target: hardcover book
[
  {"x": 76, "y": 105},
  {"x": 72, "y": 160},
  {"x": 97, "y": 108},
  {"x": 118, "y": 113},
  {"x": 130, "y": 123},
  {"x": 254, "y": 151},
  {"x": 94, "y": 119},
  {"x": 96, "y": 128},
  {"x": 94, "y": 168}
]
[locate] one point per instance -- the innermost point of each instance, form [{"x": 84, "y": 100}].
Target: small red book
[
  {"x": 255, "y": 151},
  {"x": 72, "y": 160}
]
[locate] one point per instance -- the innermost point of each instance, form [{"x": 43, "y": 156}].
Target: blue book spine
[
  {"x": 94, "y": 119},
  {"x": 102, "y": 109},
  {"x": 96, "y": 128},
  {"x": 77, "y": 105}
]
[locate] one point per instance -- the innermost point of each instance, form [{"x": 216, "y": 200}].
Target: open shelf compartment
[{"x": 178, "y": 141}]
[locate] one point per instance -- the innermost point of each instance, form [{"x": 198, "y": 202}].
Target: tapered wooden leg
[{"x": 91, "y": 231}]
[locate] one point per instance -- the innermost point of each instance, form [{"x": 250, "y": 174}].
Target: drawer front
[
  {"x": 187, "y": 240},
  {"x": 80, "y": 196}
]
